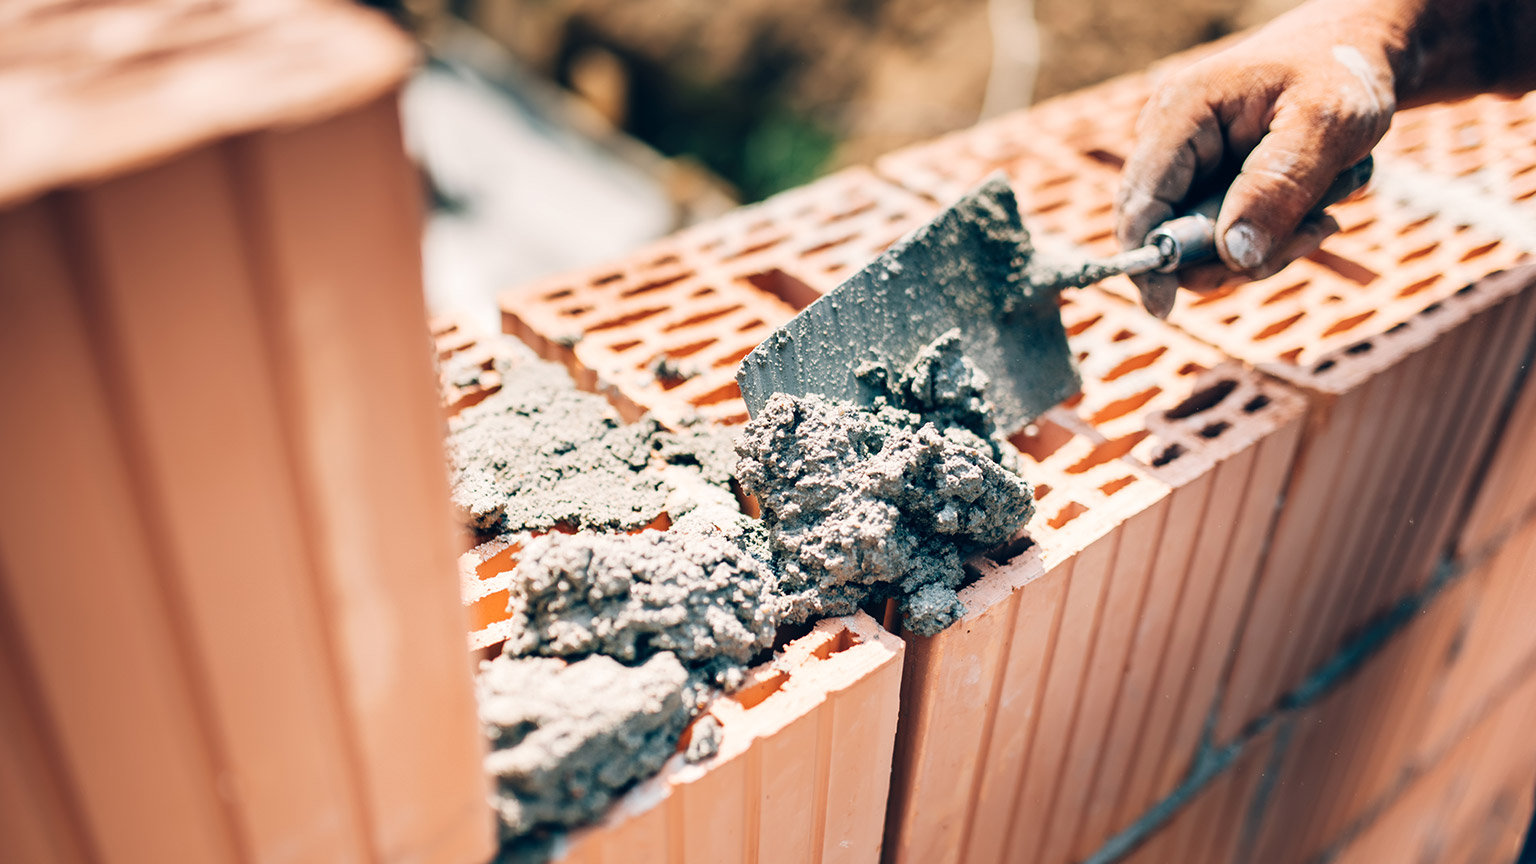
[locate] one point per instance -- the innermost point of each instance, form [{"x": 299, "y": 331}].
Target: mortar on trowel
[{"x": 975, "y": 270}]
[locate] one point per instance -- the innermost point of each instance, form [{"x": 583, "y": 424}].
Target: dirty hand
[{"x": 1286, "y": 110}]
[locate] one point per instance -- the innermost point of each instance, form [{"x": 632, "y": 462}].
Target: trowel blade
[{"x": 967, "y": 270}]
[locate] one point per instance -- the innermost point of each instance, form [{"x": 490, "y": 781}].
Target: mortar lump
[
  {"x": 699, "y": 596},
  {"x": 885, "y": 501},
  {"x": 539, "y": 454},
  {"x": 566, "y": 739}
]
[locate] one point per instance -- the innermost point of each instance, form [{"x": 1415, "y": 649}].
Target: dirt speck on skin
[
  {"x": 567, "y": 739},
  {"x": 887, "y": 501}
]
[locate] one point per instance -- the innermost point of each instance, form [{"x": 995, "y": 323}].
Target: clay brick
[
  {"x": 1497, "y": 645},
  {"x": 1393, "y": 283},
  {"x": 1505, "y": 496},
  {"x": 1208, "y": 828},
  {"x": 801, "y": 773},
  {"x": 179, "y": 354},
  {"x": 1100, "y": 646},
  {"x": 1478, "y": 793},
  {"x": 705, "y": 297}
]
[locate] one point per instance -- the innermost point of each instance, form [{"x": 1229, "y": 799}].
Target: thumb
[{"x": 1281, "y": 181}]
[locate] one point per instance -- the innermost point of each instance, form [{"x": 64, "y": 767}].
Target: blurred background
[{"x": 558, "y": 133}]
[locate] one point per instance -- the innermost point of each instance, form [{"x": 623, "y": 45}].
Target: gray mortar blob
[
  {"x": 699, "y": 596},
  {"x": 567, "y": 739},
  {"x": 863, "y": 503},
  {"x": 538, "y": 454}
]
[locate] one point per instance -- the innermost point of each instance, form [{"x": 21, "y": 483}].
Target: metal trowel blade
[{"x": 966, "y": 270}]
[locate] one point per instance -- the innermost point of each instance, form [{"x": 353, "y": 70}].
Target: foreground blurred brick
[{"x": 226, "y": 563}]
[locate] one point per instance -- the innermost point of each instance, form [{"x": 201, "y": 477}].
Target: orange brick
[
  {"x": 802, "y": 771},
  {"x": 1155, "y": 488},
  {"x": 705, "y": 297}
]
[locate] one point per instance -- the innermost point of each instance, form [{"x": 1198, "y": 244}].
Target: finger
[
  {"x": 1281, "y": 181},
  {"x": 1308, "y": 238},
  {"x": 1178, "y": 141},
  {"x": 1208, "y": 277}
]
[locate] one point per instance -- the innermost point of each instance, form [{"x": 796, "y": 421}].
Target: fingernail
[
  {"x": 1157, "y": 295},
  {"x": 1247, "y": 245}
]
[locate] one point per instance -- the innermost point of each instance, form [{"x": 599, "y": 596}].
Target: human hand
[{"x": 1293, "y": 105}]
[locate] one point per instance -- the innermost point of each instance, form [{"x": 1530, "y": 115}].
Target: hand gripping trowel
[{"x": 973, "y": 269}]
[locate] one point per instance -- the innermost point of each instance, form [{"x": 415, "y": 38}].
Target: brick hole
[
  {"x": 1346, "y": 324},
  {"x": 1479, "y": 251},
  {"x": 1101, "y": 210},
  {"x": 1256, "y": 404},
  {"x": 575, "y": 311},
  {"x": 1049, "y": 207},
  {"x": 626, "y": 320},
  {"x": 1131, "y": 364},
  {"x": 1278, "y": 327},
  {"x": 1042, "y": 490},
  {"x": 1122, "y": 336},
  {"x": 1230, "y": 320},
  {"x": 664, "y": 261},
  {"x": 723, "y": 393},
  {"x": 833, "y": 267},
  {"x": 1202, "y": 400},
  {"x": 1526, "y": 196},
  {"x": 1414, "y": 225},
  {"x": 1421, "y": 252},
  {"x": 755, "y": 248},
  {"x": 840, "y": 642},
  {"x": 701, "y": 318},
  {"x": 1210, "y": 297},
  {"x": 1082, "y": 326},
  {"x": 1287, "y": 291},
  {"x": 1410, "y": 290},
  {"x": 1098, "y": 237},
  {"x": 606, "y": 279},
  {"x": 830, "y": 244},
  {"x": 1214, "y": 430},
  {"x": 1169, "y": 453},
  {"x": 849, "y": 214},
  {"x": 1333, "y": 298},
  {"x": 687, "y": 350},
  {"x": 1073, "y": 401},
  {"x": 1324, "y": 366},
  {"x": 736, "y": 419},
  {"x": 756, "y": 693},
  {"x": 711, "y": 245},
  {"x": 1011, "y": 549},
  {"x": 1107, "y": 451},
  {"x": 1055, "y": 180},
  {"x": 1040, "y": 439},
  {"x": 1066, "y": 514},
  {"x": 1431, "y": 309},
  {"x": 1397, "y": 328},
  {"x": 621, "y": 347},
  {"x": 754, "y": 324},
  {"x": 1466, "y": 289},
  {"x": 655, "y": 285},
  {"x": 1291, "y": 356},
  {"x": 1191, "y": 369},
  {"x": 1104, "y": 157},
  {"x": 1358, "y": 226},
  {"x": 1359, "y": 348},
  {"x": 499, "y": 563},
  {"x": 787, "y": 288},
  {"x": 760, "y": 225},
  {"x": 558, "y": 295},
  {"x": 1523, "y": 170},
  {"x": 1354, "y": 271},
  {"x": 703, "y": 292},
  {"x": 1114, "y": 486},
  {"x": 488, "y": 610},
  {"x": 1081, "y": 356},
  {"x": 734, "y": 357},
  {"x": 1125, "y": 406}
]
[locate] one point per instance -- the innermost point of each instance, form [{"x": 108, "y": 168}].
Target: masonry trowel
[{"x": 975, "y": 269}]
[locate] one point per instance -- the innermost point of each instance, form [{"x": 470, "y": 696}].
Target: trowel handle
[{"x": 1191, "y": 238}]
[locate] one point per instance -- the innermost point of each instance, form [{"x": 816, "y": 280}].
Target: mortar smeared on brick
[
  {"x": 886, "y": 501},
  {"x": 567, "y": 738},
  {"x": 698, "y": 596},
  {"x": 540, "y": 454}
]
